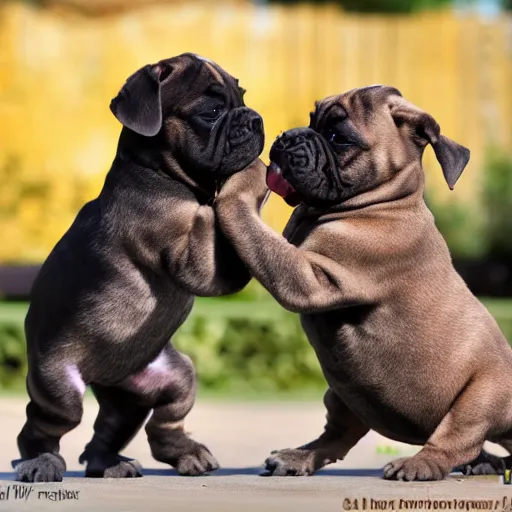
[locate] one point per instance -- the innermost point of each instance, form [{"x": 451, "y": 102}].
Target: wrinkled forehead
[
  {"x": 194, "y": 75},
  {"x": 354, "y": 103}
]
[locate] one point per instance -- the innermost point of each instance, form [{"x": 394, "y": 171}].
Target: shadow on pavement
[
  {"x": 259, "y": 470},
  {"x": 9, "y": 476}
]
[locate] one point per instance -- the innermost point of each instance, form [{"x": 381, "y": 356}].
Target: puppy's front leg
[
  {"x": 200, "y": 259},
  {"x": 342, "y": 431},
  {"x": 301, "y": 281}
]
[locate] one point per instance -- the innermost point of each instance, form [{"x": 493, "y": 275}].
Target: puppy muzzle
[
  {"x": 289, "y": 151},
  {"x": 243, "y": 141},
  {"x": 244, "y": 124},
  {"x": 301, "y": 167},
  {"x": 294, "y": 149}
]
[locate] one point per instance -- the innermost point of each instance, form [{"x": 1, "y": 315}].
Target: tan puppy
[{"x": 405, "y": 347}]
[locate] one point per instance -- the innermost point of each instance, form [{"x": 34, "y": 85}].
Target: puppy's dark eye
[
  {"x": 337, "y": 138},
  {"x": 211, "y": 114}
]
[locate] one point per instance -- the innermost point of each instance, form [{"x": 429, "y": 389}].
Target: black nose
[{"x": 257, "y": 124}]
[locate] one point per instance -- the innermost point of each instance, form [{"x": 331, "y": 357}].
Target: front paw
[
  {"x": 47, "y": 467},
  {"x": 248, "y": 186},
  {"x": 110, "y": 465},
  {"x": 419, "y": 467},
  {"x": 291, "y": 462},
  {"x": 196, "y": 461}
]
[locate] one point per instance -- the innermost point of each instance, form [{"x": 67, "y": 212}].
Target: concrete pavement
[{"x": 241, "y": 436}]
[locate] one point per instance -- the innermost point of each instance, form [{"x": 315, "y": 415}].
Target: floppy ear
[
  {"x": 452, "y": 157},
  {"x": 138, "y": 105}
]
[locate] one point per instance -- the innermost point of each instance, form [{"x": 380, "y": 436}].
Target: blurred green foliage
[
  {"x": 238, "y": 347},
  {"x": 13, "y": 362},
  {"x": 267, "y": 354},
  {"x": 377, "y": 6},
  {"x": 497, "y": 202},
  {"x": 391, "y": 6},
  {"x": 474, "y": 233},
  {"x": 460, "y": 226}
]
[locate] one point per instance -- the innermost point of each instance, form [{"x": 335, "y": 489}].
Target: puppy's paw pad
[
  {"x": 47, "y": 467},
  {"x": 196, "y": 462},
  {"x": 414, "y": 468},
  {"x": 290, "y": 462}
]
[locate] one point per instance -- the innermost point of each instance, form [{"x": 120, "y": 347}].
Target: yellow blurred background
[{"x": 59, "y": 69}]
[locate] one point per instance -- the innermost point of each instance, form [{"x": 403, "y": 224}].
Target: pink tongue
[{"x": 277, "y": 183}]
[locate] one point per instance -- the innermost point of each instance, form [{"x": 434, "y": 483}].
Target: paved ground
[{"x": 241, "y": 436}]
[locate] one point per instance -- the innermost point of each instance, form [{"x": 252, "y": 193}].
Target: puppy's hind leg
[
  {"x": 167, "y": 438},
  {"x": 120, "y": 417},
  {"x": 342, "y": 431},
  {"x": 56, "y": 392},
  {"x": 457, "y": 440}
]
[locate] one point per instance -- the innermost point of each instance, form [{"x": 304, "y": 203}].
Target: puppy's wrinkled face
[
  {"x": 356, "y": 142},
  {"x": 193, "y": 108}
]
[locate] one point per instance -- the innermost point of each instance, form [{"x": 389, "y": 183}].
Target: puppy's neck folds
[
  {"x": 151, "y": 157},
  {"x": 407, "y": 186}
]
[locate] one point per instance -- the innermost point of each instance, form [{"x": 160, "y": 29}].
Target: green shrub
[
  {"x": 392, "y": 6},
  {"x": 486, "y": 231},
  {"x": 268, "y": 354},
  {"x": 378, "y": 6},
  {"x": 236, "y": 347},
  {"x": 497, "y": 201},
  {"x": 460, "y": 226},
  {"x": 13, "y": 361}
]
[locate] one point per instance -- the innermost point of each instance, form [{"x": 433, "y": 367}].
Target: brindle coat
[{"x": 123, "y": 278}]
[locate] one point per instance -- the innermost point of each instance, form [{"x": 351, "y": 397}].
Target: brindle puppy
[
  {"x": 405, "y": 347},
  {"x": 123, "y": 278}
]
